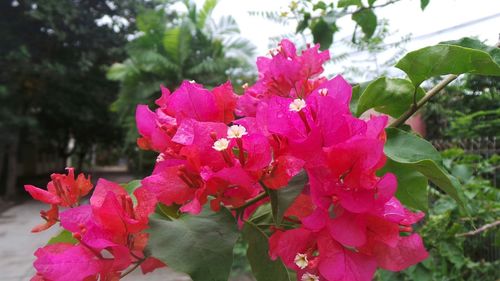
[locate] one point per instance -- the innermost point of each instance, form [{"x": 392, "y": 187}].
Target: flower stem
[
  {"x": 136, "y": 265},
  {"x": 431, "y": 93}
]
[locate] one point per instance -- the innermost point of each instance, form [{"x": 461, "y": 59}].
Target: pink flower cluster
[
  {"x": 290, "y": 119},
  {"x": 108, "y": 231},
  {"x": 227, "y": 150}
]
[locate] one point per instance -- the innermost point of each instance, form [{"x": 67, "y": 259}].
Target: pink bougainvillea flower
[
  {"x": 51, "y": 217},
  {"x": 62, "y": 190},
  {"x": 67, "y": 262}
]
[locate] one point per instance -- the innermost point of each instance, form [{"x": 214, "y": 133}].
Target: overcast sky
[{"x": 404, "y": 17}]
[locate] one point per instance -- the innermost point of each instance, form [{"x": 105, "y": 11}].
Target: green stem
[{"x": 431, "y": 93}]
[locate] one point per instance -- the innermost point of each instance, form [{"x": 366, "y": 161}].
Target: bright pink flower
[
  {"x": 66, "y": 262},
  {"x": 62, "y": 190}
]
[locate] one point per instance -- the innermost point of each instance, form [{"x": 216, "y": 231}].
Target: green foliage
[
  {"x": 441, "y": 59},
  {"x": 417, "y": 154},
  {"x": 367, "y": 20},
  {"x": 175, "y": 46},
  {"x": 451, "y": 257},
  {"x": 201, "y": 246},
  {"x": 321, "y": 17},
  {"x": 391, "y": 96},
  {"x": 467, "y": 110},
  {"x": 412, "y": 185},
  {"x": 63, "y": 237},
  {"x": 263, "y": 268},
  {"x": 323, "y": 33},
  {"x": 282, "y": 198}
]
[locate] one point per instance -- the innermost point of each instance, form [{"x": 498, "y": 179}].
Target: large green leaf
[
  {"x": 263, "y": 268},
  {"x": 367, "y": 19},
  {"x": 472, "y": 43},
  {"x": 392, "y": 96},
  {"x": 282, "y": 198},
  {"x": 412, "y": 185},
  {"x": 63, "y": 237},
  {"x": 416, "y": 153},
  {"x": 441, "y": 59},
  {"x": 201, "y": 245}
]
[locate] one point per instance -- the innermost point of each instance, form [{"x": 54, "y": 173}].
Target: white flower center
[
  {"x": 192, "y": 81},
  {"x": 221, "y": 144},
  {"x": 244, "y": 86},
  {"x": 297, "y": 105},
  {"x": 309, "y": 277},
  {"x": 301, "y": 260},
  {"x": 323, "y": 92},
  {"x": 236, "y": 132}
]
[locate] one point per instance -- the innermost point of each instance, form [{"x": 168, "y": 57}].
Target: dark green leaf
[
  {"x": 441, "y": 59},
  {"x": 371, "y": 2},
  {"x": 367, "y": 19},
  {"x": 392, "y": 96},
  {"x": 418, "y": 154},
  {"x": 423, "y": 4},
  {"x": 304, "y": 23},
  {"x": 346, "y": 3},
  {"x": 282, "y": 198},
  {"x": 201, "y": 245},
  {"x": 263, "y": 268},
  {"x": 63, "y": 237},
  {"x": 169, "y": 212},
  {"x": 412, "y": 185},
  {"x": 323, "y": 33}
]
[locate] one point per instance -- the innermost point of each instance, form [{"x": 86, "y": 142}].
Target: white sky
[{"x": 404, "y": 18}]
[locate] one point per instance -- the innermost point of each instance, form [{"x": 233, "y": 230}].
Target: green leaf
[
  {"x": 304, "y": 23},
  {"x": 371, "y": 2},
  {"x": 282, "y": 198},
  {"x": 367, "y": 19},
  {"x": 472, "y": 43},
  {"x": 320, "y": 6},
  {"x": 63, "y": 237},
  {"x": 131, "y": 186},
  {"x": 176, "y": 43},
  {"x": 416, "y": 153},
  {"x": 263, "y": 268},
  {"x": 323, "y": 33},
  {"x": 392, "y": 96},
  {"x": 201, "y": 245},
  {"x": 442, "y": 59},
  {"x": 357, "y": 90},
  {"x": 423, "y": 4},
  {"x": 205, "y": 13},
  {"x": 346, "y": 3},
  {"x": 412, "y": 185}
]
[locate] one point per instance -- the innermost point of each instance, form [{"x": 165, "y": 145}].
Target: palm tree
[{"x": 171, "y": 46}]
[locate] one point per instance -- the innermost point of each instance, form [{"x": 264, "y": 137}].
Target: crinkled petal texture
[{"x": 65, "y": 262}]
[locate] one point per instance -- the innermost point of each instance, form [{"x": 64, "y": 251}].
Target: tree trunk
[{"x": 11, "y": 187}]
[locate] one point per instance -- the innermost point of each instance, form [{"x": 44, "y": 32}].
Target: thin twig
[
  {"x": 250, "y": 202},
  {"x": 136, "y": 265},
  {"x": 479, "y": 230},
  {"x": 431, "y": 93}
]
